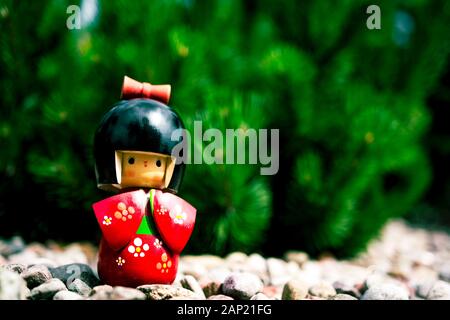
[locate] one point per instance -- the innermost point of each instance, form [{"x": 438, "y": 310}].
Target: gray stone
[
  {"x": 189, "y": 282},
  {"x": 15, "y": 267},
  {"x": 12, "y": 286},
  {"x": 67, "y": 295},
  {"x": 165, "y": 292},
  {"x": 69, "y": 272},
  {"x": 386, "y": 291},
  {"x": 294, "y": 290},
  {"x": 322, "y": 290},
  {"x": 439, "y": 291},
  {"x": 261, "y": 296},
  {"x": 123, "y": 293},
  {"x": 242, "y": 285},
  {"x": 220, "y": 297},
  {"x": 78, "y": 286},
  {"x": 47, "y": 290},
  {"x": 36, "y": 275},
  {"x": 103, "y": 292},
  {"x": 343, "y": 296}
]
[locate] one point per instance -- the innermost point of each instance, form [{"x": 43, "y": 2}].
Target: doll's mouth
[{"x": 153, "y": 175}]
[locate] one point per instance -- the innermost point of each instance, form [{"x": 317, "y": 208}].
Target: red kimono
[{"x": 143, "y": 235}]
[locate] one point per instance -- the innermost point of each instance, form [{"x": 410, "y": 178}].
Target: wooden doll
[{"x": 145, "y": 226}]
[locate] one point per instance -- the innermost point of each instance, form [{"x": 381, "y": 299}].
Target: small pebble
[
  {"x": 343, "y": 296},
  {"x": 207, "y": 261},
  {"x": 102, "y": 292},
  {"x": 242, "y": 285},
  {"x": 346, "y": 289},
  {"x": 12, "y": 246},
  {"x": 278, "y": 271},
  {"x": 36, "y": 275},
  {"x": 211, "y": 288},
  {"x": 15, "y": 267},
  {"x": 12, "y": 286},
  {"x": 439, "y": 291},
  {"x": 189, "y": 282},
  {"x": 123, "y": 293},
  {"x": 294, "y": 290},
  {"x": 297, "y": 256},
  {"x": 260, "y": 296},
  {"x": 273, "y": 292},
  {"x": 165, "y": 292},
  {"x": 67, "y": 295},
  {"x": 220, "y": 297},
  {"x": 186, "y": 298},
  {"x": 444, "y": 272},
  {"x": 47, "y": 290},
  {"x": 423, "y": 289},
  {"x": 322, "y": 290},
  {"x": 256, "y": 264},
  {"x": 78, "y": 286},
  {"x": 236, "y": 258},
  {"x": 386, "y": 291}
]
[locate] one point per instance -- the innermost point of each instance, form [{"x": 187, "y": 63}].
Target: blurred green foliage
[{"x": 350, "y": 104}]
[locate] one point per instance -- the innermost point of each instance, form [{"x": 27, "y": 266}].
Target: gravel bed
[{"x": 404, "y": 263}]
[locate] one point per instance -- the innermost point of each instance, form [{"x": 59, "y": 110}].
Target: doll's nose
[{"x": 145, "y": 163}]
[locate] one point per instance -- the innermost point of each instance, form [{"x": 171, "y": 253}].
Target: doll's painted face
[{"x": 144, "y": 169}]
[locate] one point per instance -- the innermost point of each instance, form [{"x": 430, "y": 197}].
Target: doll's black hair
[{"x": 136, "y": 125}]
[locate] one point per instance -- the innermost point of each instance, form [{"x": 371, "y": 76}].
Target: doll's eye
[
  {"x": 131, "y": 160},
  {"x": 158, "y": 163}
]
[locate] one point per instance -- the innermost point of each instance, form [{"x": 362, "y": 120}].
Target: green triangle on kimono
[{"x": 144, "y": 227}]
